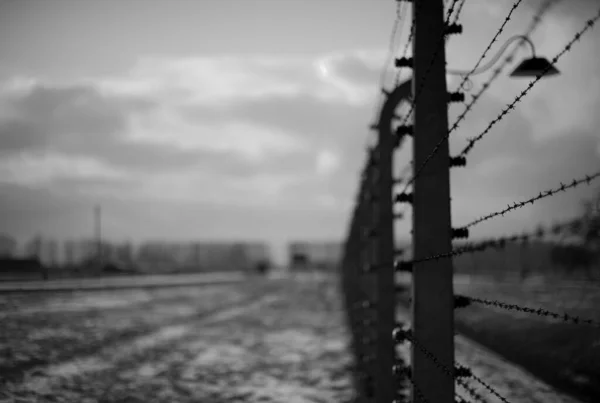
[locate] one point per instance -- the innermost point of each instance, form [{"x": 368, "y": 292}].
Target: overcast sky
[{"x": 248, "y": 119}]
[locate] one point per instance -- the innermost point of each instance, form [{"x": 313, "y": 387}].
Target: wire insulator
[
  {"x": 462, "y": 372},
  {"x": 456, "y": 97},
  {"x": 401, "y": 335},
  {"x": 461, "y": 301},
  {"x": 403, "y": 266},
  {"x": 404, "y": 62},
  {"x": 453, "y": 29},
  {"x": 404, "y": 130},
  {"x": 404, "y": 198},
  {"x": 460, "y": 233},
  {"x": 401, "y": 370},
  {"x": 458, "y": 161}
]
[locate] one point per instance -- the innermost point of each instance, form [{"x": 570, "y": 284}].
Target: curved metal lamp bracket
[{"x": 402, "y": 92}]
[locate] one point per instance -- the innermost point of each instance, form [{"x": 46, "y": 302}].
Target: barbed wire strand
[
  {"x": 589, "y": 25},
  {"x": 502, "y": 241},
  {"x": 538, "y": 17},
  {"x": 489, "y": 46},
  {"x": 462, "y": 301},
  {"x": 468, "y": 107},
  {"x": 396, "y": 27},
  {"x": 411, "y": 34},
  {"x": 562, "y": 188},
  {"x": 458, "y": 12},
  {"x": 410, "y": 336},
  {"x": 438, "y": 47}
]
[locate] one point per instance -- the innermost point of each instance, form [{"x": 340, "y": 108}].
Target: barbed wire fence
[{"x": 371, "y": 257}]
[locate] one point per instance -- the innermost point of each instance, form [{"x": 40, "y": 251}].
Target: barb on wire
[
  {"x": 418, "y": 392},
  {"x": 589, "y": 24},
  {"x": 489, "y": 46},
  {"x": 576, "y": 182},
  {"x": 508, "y": 59},
  {"x": 411, "y": 34},
  {"x": 537, "y": 19},
  {"x": 501, "y": 242},
  {"x": 465, "y": 80},
  {"x": 463, "y": 301},
  {"x": 458, "y": 11},
  {"x": 397, "y": 26},
  {"x": 438, "y": 47},
  {"x": 459, "y": 370}
]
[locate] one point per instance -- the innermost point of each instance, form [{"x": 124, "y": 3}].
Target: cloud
[
  {"x": 327, "y": 162},
  {"x": 205, "y": 129},
  {"x": 35, "y": 169},
  {"x": 280, "y": 134}
]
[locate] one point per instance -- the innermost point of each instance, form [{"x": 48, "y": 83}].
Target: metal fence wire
[{"x": 370, "y": 259}]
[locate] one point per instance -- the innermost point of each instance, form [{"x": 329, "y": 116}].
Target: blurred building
[
  {"x": 81, "y": 251},
  {"x": 8, "y": 246},
  {"x": 315, "y": 255},
  {"x": 200, "y": 256}
]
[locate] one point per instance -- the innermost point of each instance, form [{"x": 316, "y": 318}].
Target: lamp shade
[{"x": 533, "y": 67}]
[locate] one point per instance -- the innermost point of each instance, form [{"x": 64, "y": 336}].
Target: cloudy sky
[{"x": 248, "y": 119}]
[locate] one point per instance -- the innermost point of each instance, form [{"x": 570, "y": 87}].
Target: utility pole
[
  {"x": 98, "y": 230},
  {"x": 432, "y": 293}
]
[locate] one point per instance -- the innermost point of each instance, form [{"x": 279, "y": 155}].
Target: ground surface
[
  {"x": 566, "y": 355},
  {"x": 246, "y": 342},
  {"x": 258, "y": 341}
]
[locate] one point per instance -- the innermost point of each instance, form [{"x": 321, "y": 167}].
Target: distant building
[
  {"x": 8, "y": 246},
  {"x": 315, "y": 255},
  {"x": 200, "y": 256}
]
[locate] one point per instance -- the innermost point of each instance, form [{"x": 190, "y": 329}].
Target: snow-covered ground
[
  {"x": 513, "y": 383},
  {"x": 121, "y": 282},
  {"x": 259, "y": 341}
]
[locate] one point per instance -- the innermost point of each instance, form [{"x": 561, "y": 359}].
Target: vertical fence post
[
  {"x": 432, "y": 294},
  {"x": 386, "y": 301}
]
